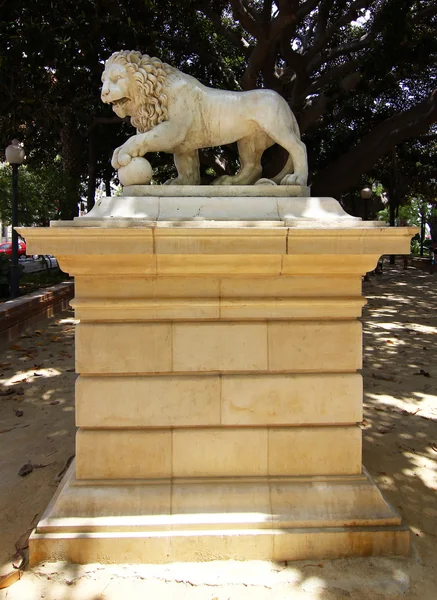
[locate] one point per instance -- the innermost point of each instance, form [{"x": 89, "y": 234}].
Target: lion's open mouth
[{"x": 120, "y": 101}]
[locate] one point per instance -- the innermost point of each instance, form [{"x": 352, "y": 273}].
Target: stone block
[
  {"x": 291, "y": 399},
  {"x": 302, "y": 451},
  {"x": 218, "y": 265},
  {"x": 137, "y": 288},
  {"x": 315, "y": 346},
  {"x": 218, "y": 241},
  {"x": 123, "y": 454},
  {"x": 157, "y": 401},
  {"x": 217, "y": 452},
  {"x": 217, "y": 347},
  {"x": 123, "y": 348},
  {"x": 221, "y": 506},
  {"x": 340, "y": 542},
  {"x": 290, "y": 287}
]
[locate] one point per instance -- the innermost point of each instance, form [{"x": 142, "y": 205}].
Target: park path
[{"x": 400, "y": 451}]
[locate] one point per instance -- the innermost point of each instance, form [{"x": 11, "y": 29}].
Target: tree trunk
[
  {"x": 71, "y": 153},
  {"x": 92, "y": 168},
  {"x": 107, "y": 179},
  {"x": 393, "y": 194},
  {"x": 344, "y": 173}
]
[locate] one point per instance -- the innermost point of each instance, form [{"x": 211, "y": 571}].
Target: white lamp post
[
  {"x": 14, "y": 156},
  {"x": 365, "y": 194}
]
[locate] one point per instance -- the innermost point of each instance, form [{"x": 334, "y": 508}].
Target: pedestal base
[
  {"x": 160, "y": 521},
  {"x": 219, "y": 395}
]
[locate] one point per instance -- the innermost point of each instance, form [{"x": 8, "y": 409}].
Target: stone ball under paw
[{"x": 137, "y": 172}]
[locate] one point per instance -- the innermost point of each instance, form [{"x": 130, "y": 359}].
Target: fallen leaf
[
  {"x": 400, "y": 411},
  {"x": 62, "y": 472},
  {"x": 383, "y": 377},
  {"x": 5, "y": 365},
  {"x": 54, "y": 402},
  {"x": 423, "y": 372},
  {"x": 25, "y": 469},
  {"x": 385, "y": 429},
  {"x": 38, "y": 374}
]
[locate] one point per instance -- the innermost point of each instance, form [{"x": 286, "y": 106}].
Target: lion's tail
[{"x": 289, "y": 166}]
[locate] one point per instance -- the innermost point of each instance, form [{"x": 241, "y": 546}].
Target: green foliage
[
  {"x": 344, "y": 70},
  {"x": 39, "y": 193}
]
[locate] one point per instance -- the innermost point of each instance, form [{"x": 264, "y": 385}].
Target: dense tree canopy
[{"x": 360, "y": 76}]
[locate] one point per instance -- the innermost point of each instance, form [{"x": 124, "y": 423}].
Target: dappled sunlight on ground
[
  {"x": 400, "y": 396},
  {"x": 36, "y": 423}
]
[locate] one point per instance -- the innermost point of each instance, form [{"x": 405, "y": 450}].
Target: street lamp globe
[
  {"x": 366, "y": 193},
  {"x": 15, "y": 153}
]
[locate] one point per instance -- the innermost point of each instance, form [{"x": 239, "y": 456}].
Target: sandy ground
[{"x": 400, "y": 451}]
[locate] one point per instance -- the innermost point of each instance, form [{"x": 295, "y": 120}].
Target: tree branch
[
  {"x": 425, "y": 13},
  {"x": 331, "y": 75},
  {"x": 322, "y": 20},
  {"x": 354, "y": 46},
  {"x": 266, "y": 13},
  {"x": 306, "y": 8},
  {"x": 346, "y": 18},
  {"x": 344, "y": 173},
  {"x": 246, "y": 18}
]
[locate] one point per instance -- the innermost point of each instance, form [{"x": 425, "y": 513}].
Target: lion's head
[{"x": 134, "y": 84}]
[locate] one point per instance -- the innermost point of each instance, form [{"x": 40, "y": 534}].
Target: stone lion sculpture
[{"x": 173, "y": 112}]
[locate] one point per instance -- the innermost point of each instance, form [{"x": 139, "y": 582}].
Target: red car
[{"x": 6, "y": 248}]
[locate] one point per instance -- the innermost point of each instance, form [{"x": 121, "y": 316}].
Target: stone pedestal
[{"x": 219, "y": 393}]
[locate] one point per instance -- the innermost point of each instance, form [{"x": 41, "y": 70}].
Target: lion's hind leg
[
  {"x": 188, "y": 169},
  {"x": 250, "y": 150},
  {"x": 282, "y": 132}
]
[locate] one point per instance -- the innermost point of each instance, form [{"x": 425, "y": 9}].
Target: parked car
[{"x": 6, "y": 248}]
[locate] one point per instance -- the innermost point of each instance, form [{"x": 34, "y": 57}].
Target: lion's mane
[{"x": 150, "y": 75}]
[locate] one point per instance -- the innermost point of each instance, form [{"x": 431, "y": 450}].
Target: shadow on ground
[{"x": 400, "y": 399}]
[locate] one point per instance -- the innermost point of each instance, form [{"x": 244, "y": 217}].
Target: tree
[
  {"x": 359, "y": 74},
  {"x": 39, "y": 195}
]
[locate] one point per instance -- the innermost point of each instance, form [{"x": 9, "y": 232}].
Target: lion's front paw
[
  {"x": 124, "y": 159},
  {"x": 123, "y": 155},
  {"x": 120, "y": 158},
  {"x": 114, "y": 161}
]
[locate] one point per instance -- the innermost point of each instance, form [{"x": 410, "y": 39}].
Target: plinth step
[
  {"x": 207, "y": 545},
  {"x": 276, "y": 519}
]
